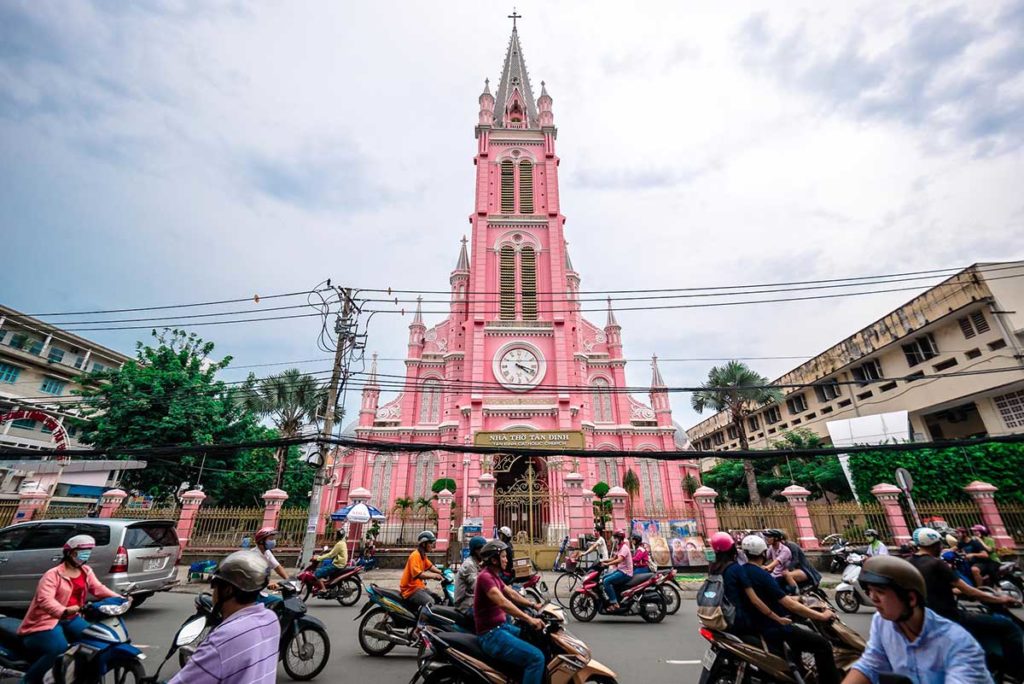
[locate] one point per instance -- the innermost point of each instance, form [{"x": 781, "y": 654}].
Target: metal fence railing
[
  {"x": 224, "y": 527},
  {"x": 7, "y": 511},
  {"x": 291, "y": 526},
  {"x": 734, "y": 517},
  {"x": 401, "y": 530},
  {"x": 1013, "y": 518},
  {"x": 850, "y": 519},
  {"x": 136, "y": 513},
  {"x": 56, "y": 511},
  {"x": 953, "y": 513}
]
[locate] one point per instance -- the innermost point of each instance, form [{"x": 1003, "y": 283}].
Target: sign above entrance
[{"x": 532, "y": 439}]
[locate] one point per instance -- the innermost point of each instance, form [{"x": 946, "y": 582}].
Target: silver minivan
[{"x": 128, "y": 552}]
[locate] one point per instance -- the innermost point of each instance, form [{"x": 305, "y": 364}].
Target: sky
[{"x": 167, "y": 152}]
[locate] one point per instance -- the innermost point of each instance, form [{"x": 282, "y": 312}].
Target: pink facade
[{"x": 515, "y": 353}]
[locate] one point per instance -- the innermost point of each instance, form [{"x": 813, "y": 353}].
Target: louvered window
[
  {"x": 602, "y": 398},
  {"x": 508, "y": 180},
  {"x": 972, "y": 325},
  {"x": 525, "y": 187},
  {"x": 528, "y": 277},
  {"x": 430, "y": 402},
  {"x": 508, "y": 283}
]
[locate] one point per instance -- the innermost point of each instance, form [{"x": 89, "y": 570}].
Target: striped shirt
[{"x": 242, "y": 650}]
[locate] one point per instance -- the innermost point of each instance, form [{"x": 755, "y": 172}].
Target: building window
[
  {"x": 425, "y": 465},
  {"x": 754, "y": 422},
  {"x": 718, "y": 438},
  {"x": 732, "y": 432},
  {"x": 1011, "y": 408},
  {"x": 508, "y": 283},
  {"x": 920, "y": 350},
  {"x": 601, "y": 395},
  {"x": 528, "y": 283},
  {"x": 17, "y": 340},
  {"x": 772, "y": 415},
  {"x": 430, "y": 401},
  {"x": 650, "y": 484},
  {"x": 525, "y": 187},
  {"x": 53, "y": 386},
  {"x": 508, "y": 180},
  {"x": 380, "y": 484},
  {"x": 608, "y": 471},
  {"x": 797, "y": 404},
  {"x": 827, "y": 390},
  {"x": 79, "y": 361},
  {"x": 25, "y": 424},
  {"x": 866, "y": 372},
  {"x": 973, "y": 324},
  {"x": 35, "y": 347},
  {"x": 9, "y": 373},
  {"x": 56, "y": 355}
]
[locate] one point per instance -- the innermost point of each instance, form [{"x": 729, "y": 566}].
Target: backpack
[{"x": 714, "y": 610}]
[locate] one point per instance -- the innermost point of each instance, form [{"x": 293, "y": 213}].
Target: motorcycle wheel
[
  {"x": 655, "y": 615},
  {"x": 348, "y": 592},
  {"x": 380, "y": 620},
  {"x": 673, "y": 598},
  {"x": 306, "y": 653},
  {"x": 565, "y": 587},
  {"x": 130, "y": 672},
  {"x": 583, "y": 606},
  {"x": 847, "y": 601}
]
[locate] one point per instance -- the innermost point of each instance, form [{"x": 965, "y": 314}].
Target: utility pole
[{"x": 339, "y": 375}]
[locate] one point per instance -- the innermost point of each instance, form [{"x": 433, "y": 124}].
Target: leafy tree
[
  {"x": 739, "y": 390},
  {"x": 252, "y": 472},
  {"x": 426, "y": 504},
  {"x": 442, "y": 484},
  {"x": 631, "y": 483},
  {"x": 602, "y": 507},
  {"x": 691, "y": 485},
  {"x": 600, "y": 489},
  {"x": 168, "y": 395},
  {"x": 290, "y": 400},
  {"x": 402, "y": 506}
]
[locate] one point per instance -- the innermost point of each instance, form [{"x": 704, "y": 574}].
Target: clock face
[{"x": 520, "y": 369}]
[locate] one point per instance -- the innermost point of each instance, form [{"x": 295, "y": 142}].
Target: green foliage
[
  {"x": 690, "y": 485},
  {"x": 602, "y": 506},
  {"x": 425, "y": 504},
  {"x": 253, "y": 471},
  {"x": 600, "y": 490},
  {"x": 631, "y": 483},
  {"x": 442, "y": 484}
]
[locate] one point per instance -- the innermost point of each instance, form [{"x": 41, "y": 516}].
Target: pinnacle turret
[
  {"x": 514, "y": 104},
  {"x": 417, "y": 319},
  {"x": 463, "y": 263},
  {"x": 656, "y": 380},
  {"x": 611, "y": 323}
]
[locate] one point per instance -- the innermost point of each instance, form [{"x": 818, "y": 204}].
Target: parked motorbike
[
  {"x": 346, "y": 588},
  {"x": 849, "y": 594},
  {"x": 100, "y": 646},
  {"x": 457, "y": 657},
  {"x": 748, "y": 660},
  {"x": 838, "y": 549},
  {"x": 641, "y": 596},
  {"x": 305, "y": 645},
  {"x": 388, "y": 620}
]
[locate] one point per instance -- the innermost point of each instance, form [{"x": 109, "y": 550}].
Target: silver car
[{"x": 142, "y": 553}]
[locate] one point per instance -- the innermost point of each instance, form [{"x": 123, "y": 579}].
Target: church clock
[{"x": 519, "y": 367}]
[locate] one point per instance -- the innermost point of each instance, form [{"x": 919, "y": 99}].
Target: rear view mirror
[{"x": 189, "y": 632}]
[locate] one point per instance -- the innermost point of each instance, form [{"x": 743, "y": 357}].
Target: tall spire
[
  {"x": 463, "y": 264},
  {"x": 611, "y": 316},
  {"x": 568, "y": 261},
  {"x": 514, "y": 86},
  {"x": 372, "y": 380},
  {"x": 656, "y": 380},
  {"x": 418, "y": 318}
]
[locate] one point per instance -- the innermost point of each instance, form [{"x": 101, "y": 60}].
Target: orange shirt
[{"x": 411, "y": 582}]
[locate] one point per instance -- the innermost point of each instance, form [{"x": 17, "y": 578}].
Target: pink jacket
[{"x": 52, "y": 596}]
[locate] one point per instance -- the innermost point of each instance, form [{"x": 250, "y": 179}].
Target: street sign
[{"x": 904, "y": 480}]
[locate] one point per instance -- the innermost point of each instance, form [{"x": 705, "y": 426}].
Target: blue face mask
[
  {"x": 270, "y": 544},
  {"x": 83, "y": 556}
]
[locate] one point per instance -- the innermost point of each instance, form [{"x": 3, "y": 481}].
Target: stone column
[
  {"x": 581, "y": 514},
  {"x": 983, "y": 493},
  {"x": 705, "y": 500},
  {"x": 190, "y": 503},
  {"x": 889, "y": 496},
  {"x": 797, "y": 497},
  {"x": 473, "y": 504},
  {"x": 486, "y": 481},
  {"x": 30, "y": 504},
  {"x": 272, "y": 502},
  {"x": 111, "y": 501},
  {"x": 359, "y": 495},
  {"x": 444, "y": 519},
  {"x": 618, "y": 496}
]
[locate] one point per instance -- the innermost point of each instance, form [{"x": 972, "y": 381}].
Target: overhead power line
[{"x": 165, "y": 307}]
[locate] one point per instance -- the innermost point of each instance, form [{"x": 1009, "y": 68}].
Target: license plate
[
  {"x": 709, "y": 659},
  {"x": 153, "y": 564}
]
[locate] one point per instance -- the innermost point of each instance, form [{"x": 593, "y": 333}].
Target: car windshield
[{"x": 150, "y": 535}]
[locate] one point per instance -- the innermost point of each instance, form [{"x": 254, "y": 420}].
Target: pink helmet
[
  {"x": 980, "y": 529},
  {"x": 722, "y": 542},
  {"x": 264, "y": 534}
]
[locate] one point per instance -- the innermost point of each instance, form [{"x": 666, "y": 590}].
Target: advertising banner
[{"x": 673, "y": 542}]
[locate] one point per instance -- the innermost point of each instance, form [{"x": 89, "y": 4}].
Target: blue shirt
[
  {"x": 943, "y": 652},
  {"x": 737, "y": 579}
]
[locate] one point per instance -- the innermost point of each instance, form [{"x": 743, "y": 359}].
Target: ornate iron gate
[{"x": 537, "y": 515}]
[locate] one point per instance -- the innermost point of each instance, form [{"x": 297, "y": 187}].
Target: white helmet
[
  {"x": 926, "y": 536},
  {"x": 79, "y": 542},
  {"x": 753, "y": 545},
  {"x": 505, "y": 531}
]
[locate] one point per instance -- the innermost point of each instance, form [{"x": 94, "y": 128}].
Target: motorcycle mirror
[{"x": 189, "y": 631}]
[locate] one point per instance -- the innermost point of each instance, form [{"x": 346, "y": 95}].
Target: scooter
[
  {"x": 849, "y": 594},
  {"x": 388, "y": 620},
  {"x": 838, "y": 550},
  {"x": 457, "y": 657},
  {"x": 670, "y": 590},
  {"x": 192, "y": 630},
  {"x": 346, "y": 588},
  {"x": 641, "y": 596},
  {"x": 1000, "y": 668},
  {"x": 100, "y": 645}
]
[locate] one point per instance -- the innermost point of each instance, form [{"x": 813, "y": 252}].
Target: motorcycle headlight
[{"x": 113, "y": 610}]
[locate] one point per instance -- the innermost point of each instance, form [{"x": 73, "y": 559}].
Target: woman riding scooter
[{"x": 60, "y": 596}]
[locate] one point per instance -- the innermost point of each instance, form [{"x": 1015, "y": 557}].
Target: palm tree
[
  {"x": 631, "y": 483},
  {"x": 402, "y": 505},
  {"x": 426, "y": 504},
  {"x": 739, "y": 390},
  {"x": 291, "y": 400}
]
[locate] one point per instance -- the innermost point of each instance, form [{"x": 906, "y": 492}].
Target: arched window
[
  {"x": 608, "y": 471},
  {"x": 508, "y": 283},
  {"x": 601, "y": 397},
  {"x": 528, "y": 283},
  {"x": 650, "y": 485},
  {"x": 430, "y": 401},
  {"x": 525, "y": 187},
  {"x": 380, "y": 485},
  {"x": 425, "y": 465},
  {"x": 508, "y": 181}
]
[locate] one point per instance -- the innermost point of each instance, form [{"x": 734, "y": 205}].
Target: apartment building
[{"x": 952, "y": 357}]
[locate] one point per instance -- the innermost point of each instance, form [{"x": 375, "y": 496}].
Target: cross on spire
[{"x": 515, "y": 15}]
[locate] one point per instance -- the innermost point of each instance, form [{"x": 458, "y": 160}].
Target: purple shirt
[
  {"x": 783, "y": 555},
  {"x": 486, "y": 613},
  {"x": 242, "y": 650}
]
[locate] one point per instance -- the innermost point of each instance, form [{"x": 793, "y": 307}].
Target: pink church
[{"x": 515, "y": 362}]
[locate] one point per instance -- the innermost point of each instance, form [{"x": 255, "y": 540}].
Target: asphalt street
[{"x": 664, "y": 653}]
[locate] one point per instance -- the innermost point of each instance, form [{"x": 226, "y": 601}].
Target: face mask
[
  {"x": 270, "y": 544},
  {"x": 83, "y": 556}
]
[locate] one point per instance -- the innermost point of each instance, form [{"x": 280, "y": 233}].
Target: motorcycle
[
  {"x": 346, "y": 588},
  {"x": 533, "y": 587},
  {"x": 1011, "y": 580},
  {"x": 100, "y": 646},
  {"x": 838, "y": 549},
  {"x": 450, "y": 657},
  {"x": 670, "y": 590},
  {"x": 641, "y": 595},
  {"x": 388, "y": 620},
  {"x": 748, "y": 660},
  {"x": 1001, "y": 670},
  {"x": 190, "y": 631},
  {"x": 849, "y": 594},
  {"x": 305, "y": 645}
]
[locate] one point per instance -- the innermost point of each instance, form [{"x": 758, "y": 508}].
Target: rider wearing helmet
[
  {"x": 876, "y": 547},
  {"x": 465, "y": 578},
  {"x": 780, "y": 557},
  {"x": 493, "y": 601},
  {"x": 907, "y": 638},
  {"x": 60, "y": 596},
  {"x": 775, "y": 625},
  {"x": 507, "y": 556},
  {"x": 266, "y": 542},
  {"x": 622, "y": 561},
  {"x": 419, "y": 568},
  {"x": 941, "y": 580},
  {"x": 338, "y": 557},
  {"x": 244, "y": 646}
]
